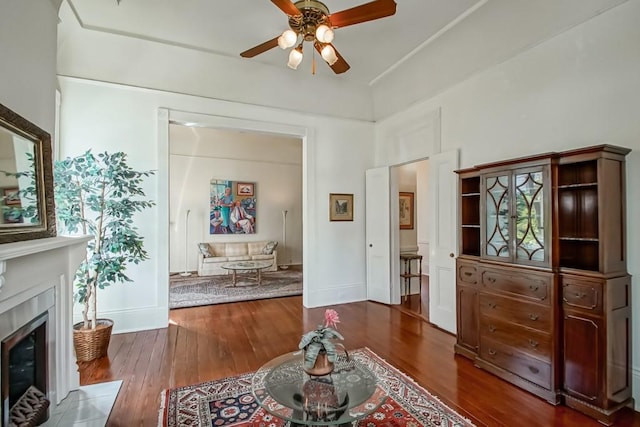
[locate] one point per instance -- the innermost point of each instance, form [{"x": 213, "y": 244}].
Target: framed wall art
[
  {"x": 232, "y": 207},
  {"x": 340, "y": 207},
  {"x": 406, "y": 211},
  {"x": 244, "y": 188},
  {"x": 11, "y": 196}
]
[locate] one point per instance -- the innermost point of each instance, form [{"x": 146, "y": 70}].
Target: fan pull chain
[{"x": 313, "y": 62}]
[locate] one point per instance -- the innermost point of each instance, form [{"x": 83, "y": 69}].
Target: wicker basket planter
[{"x": 92, "y": 344}]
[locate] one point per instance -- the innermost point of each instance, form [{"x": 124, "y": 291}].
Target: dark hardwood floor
[
  {"x": 206, "y": 343},
  {"x": 417, "y": 304}
]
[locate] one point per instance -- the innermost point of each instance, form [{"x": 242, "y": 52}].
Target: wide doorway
[{"x": 235, "y": 215}]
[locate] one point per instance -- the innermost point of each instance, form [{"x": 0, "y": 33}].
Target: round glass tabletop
[
  {"x": 349, "y": 393},
  {"x": 247, "y": 265}
]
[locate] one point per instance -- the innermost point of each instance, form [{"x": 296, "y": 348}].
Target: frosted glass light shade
[
  {"x": 295, "y": 58},
  {"x": 329, "y": 54},
  {"x": 324, "y": 34},
  {"x": 287, "y": 39}
]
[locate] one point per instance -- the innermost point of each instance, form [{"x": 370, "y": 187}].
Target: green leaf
[{"x": 99, "y": 195}]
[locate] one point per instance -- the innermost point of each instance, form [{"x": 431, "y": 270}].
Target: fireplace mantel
[{"x": 35, "y": 276}]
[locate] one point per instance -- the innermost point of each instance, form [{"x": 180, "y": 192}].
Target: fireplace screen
[{"x": 24, "y": 374}]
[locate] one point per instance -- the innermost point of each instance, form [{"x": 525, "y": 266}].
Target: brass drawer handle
[
  {"x": 492, "y": 328},
  {"x": 491, "y": 304},
  {"x": 533, "y": 288},
  {"x": 534, "y": 370},
  {"x": 580, "y": 295},
  {"x": 491, "y": 279},
  {"x": 533, "y": 316},
  {"x": 492, "y": 352},
  {"x": 467, "y": 273},
  {"x": 533, "y": 343}
]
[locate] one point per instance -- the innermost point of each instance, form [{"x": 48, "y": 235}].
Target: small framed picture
[
  {"x": 11, "y": 196},
  {"x": 406, "y": 211},
  {"x": 340, "y": 207},
  {"x": 244, "y": 188}
]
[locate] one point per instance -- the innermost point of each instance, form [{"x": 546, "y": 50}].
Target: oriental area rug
[
  {"x": 229, "y": 402},
  {"x": 194, "y": 291}
]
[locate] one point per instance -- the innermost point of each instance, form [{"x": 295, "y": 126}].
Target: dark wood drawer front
[
  {"x": 531, "y": 342},
  {"x": 534, "y": 285},
  {"x": 581, "y": 294},
  {"x": 523, "y": 313},
  {"x": 467, "y": 273},
  {"x": 506, "y": 357}
]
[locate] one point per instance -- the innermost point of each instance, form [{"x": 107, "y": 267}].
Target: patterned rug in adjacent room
[
  {"x": 193, "y": 291},
  {"x": 229, "y": 402}
]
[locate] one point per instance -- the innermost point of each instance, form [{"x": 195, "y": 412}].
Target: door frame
[{"x": 166, "y": 116}]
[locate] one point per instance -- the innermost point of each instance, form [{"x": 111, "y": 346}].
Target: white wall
[
  {"x": 490, "y": 35},
  {"x": 135, "y": 62},
  {"x": 28, "y": 32},
  {"x": 580, "y": 88},
  {"x": 274, "y": 163},
  {"x": 114, "y": 117},
  {"x": 422, "y": 209}
]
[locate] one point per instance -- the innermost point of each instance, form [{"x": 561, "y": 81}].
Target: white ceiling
[{"x": 230, "y": 27}]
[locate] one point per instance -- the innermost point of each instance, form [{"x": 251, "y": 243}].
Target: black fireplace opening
[{"x": 24, "y": 373}]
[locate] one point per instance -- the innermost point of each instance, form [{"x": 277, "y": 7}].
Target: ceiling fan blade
[
  {"x": 287, "y": 7},
  {"x": 261, "y": 48},
  {"x": 338, "y": 67},
  {"x": 365, "y": 12}
]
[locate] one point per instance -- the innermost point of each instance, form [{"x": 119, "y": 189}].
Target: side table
[{"x": 407, "y": 275}]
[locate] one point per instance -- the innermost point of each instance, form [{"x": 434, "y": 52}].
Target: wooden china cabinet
[{"x": 543, "y": 294}]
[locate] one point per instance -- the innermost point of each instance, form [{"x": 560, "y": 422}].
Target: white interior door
[
  {"x": 443, "y": 240},
  {"x": 378, "y": 235}
]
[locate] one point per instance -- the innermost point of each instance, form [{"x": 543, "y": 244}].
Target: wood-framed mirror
[{"x": 26, "y": 180}]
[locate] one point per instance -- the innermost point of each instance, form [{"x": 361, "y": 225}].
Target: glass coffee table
[
  {"x": 349, "y": 393},
  {"x": 258, "y": 266}
]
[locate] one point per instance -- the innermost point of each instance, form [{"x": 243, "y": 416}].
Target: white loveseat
[{"x": 221, "y": 253}]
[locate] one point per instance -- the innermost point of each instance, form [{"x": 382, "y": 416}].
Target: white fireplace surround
[{"x": 36, "y": 276}]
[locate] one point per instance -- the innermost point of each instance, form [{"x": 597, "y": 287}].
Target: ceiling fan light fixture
[
  {"x": 324, "y": 34},
  {"x": 295, "y": 58},
  {"x": 287, "y": 39},
  {"x": 328, "y": 53}
]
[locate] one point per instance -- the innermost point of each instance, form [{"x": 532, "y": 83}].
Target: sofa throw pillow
[
  {"x": 204, "y": 250},
  {"x": 269, "y": 248}
]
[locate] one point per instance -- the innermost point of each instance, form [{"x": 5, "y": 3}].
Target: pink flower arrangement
[
  {"x": 331, "y": 318},
  {"x": 321, "y": 339}
]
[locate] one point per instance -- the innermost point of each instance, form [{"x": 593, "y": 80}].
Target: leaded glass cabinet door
[
  {"x": 530, "y": 216},
  {"x": 497, "y": 228}
]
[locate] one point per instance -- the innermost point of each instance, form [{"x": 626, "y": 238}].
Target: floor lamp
[
  {"x": 185, "y": 273},
  {"x": 284, "y": 239}
]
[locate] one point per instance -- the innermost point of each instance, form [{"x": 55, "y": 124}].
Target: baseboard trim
[
  {"x": 140, "y": 319},
  {"x": 338, "y": 295}
]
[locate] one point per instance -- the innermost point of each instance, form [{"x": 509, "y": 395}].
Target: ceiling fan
[{"x": 310, "y": 21}]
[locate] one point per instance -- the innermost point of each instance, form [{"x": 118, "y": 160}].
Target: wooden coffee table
[{"x": 258, "y": 266}]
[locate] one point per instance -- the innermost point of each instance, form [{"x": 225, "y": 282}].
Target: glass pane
[
  {"x": 529, "y": 217},
  {"x": 497, "y": 231},
  {"x": 18, "y": 186}
]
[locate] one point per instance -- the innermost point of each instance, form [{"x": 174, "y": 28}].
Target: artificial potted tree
[{"x": 98, "y": 195}]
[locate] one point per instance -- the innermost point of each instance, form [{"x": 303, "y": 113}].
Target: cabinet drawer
[
  {"x": 508, "y": 358},
  {"x": 582, "y": 294},
  {"x": 467, "y": 273},
  {"x": 534, "y": 343},
  {"x": 531, "y": 315},
  {"x": 534, "y": 286}
]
